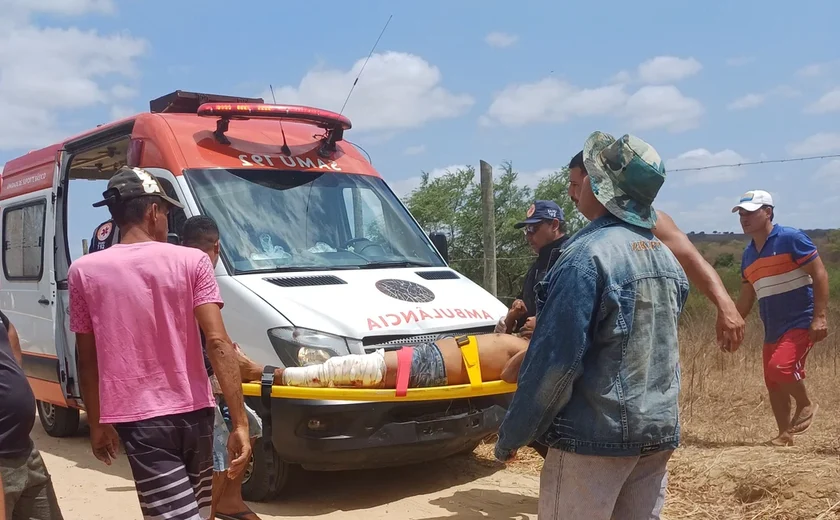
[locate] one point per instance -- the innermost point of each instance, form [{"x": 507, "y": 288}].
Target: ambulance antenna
[
  {"x": 364, "y": 64},
  {"x": 285, "y": 149}
]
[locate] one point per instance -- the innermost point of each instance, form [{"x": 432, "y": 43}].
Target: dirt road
[{"x": 465, "y": 487}]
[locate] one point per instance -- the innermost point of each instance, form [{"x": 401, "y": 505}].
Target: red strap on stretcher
[{"x": 404, "y": 356}]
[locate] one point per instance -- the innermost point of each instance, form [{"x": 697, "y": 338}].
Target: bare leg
[
  {"x": 780, "y": 403},
  {"x": 231, "y": 501},
  {"x": 805, "y": 409}
]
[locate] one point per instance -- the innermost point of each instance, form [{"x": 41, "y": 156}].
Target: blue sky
[{"x": 452, "y": 83}]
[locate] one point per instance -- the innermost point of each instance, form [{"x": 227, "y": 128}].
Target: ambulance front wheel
[
  {"x": 266, "y": 475},
  {"x": 58, "y": 421}
]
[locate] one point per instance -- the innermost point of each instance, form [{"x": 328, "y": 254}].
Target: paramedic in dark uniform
[
  {"x": 105, "y": 235},
  {"x": 545, "y": 231}
]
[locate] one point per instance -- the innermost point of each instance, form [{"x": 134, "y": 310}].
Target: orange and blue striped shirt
[{"x": 784, "y": 290}]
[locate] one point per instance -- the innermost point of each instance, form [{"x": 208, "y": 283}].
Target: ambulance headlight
[{"x": 300, "y": 347}]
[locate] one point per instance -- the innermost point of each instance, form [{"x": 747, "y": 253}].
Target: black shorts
[{"x": 171, "y": 459}]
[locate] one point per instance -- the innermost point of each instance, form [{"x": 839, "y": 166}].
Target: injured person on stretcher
[{"x": 430, "y": 364}]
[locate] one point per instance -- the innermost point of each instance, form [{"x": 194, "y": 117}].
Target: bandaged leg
[{"x": 354, "y": 370}]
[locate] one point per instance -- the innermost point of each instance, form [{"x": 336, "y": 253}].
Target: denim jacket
[{"x": 601, "y": 374}]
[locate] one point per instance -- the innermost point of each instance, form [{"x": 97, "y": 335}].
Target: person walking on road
[
  {"x": 781, "y": 267},
  {"x": 599, "y": 383},
  {"x": 26, "y": 488},
  {"x": 136, "y": 308}
]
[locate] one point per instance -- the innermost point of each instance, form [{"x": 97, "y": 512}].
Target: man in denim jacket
[{"x": 600, "y": 380}]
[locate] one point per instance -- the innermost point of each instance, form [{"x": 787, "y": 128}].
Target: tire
[
  {"x": 58, "y": 421},
  {"x": 266, "y": 475}
]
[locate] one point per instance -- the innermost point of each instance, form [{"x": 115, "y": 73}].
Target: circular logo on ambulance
[
  {"x": 530, "y": 211},
  {"x": 104, "y": 231},
  {"x": 405, "y": 291}
]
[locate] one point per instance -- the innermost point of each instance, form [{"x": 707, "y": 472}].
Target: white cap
[{"x": 752, "y": 200}]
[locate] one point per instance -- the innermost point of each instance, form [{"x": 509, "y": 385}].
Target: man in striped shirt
[{"x": 782, "y": 268}]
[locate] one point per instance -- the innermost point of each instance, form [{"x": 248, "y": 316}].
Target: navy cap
[{"x": 541, "y": 210}]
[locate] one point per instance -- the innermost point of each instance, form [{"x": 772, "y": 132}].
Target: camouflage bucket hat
[{"x": 626, "y": 175}]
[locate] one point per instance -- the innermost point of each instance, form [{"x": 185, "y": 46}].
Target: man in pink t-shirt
[{"x": 136, "y": 308}]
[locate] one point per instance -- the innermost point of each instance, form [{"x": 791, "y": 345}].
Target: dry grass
[{"x": 722, "y": 470}]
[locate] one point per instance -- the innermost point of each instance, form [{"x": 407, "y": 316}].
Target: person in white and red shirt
[{"x": 136, "y": 308}]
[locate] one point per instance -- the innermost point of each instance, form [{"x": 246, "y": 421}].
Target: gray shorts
[
  {"x": 29, "y": 489},
  {"x": 427, "y": 368},
  {"x": 221, "y": 432}
]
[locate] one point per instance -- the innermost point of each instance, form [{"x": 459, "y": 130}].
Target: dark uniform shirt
[
  {"x": 548, "y": 254},
  {"x": 17, "y": 402}
]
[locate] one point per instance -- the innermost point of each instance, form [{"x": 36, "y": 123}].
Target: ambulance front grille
[{"x": 387, "y": 343}]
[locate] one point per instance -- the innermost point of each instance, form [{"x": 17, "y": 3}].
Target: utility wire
[{"x": 769, "y": 161}]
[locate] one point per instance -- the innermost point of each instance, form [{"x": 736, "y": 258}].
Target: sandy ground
[{"x": 464, "y": 487}]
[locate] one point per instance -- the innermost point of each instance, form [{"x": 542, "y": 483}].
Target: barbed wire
[{"x": 753, "y": 163}]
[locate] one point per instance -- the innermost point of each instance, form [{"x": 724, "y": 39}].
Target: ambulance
[{"x": 318, "y": 258}]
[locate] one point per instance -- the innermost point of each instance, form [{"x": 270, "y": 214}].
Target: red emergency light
[{"x": 334, "y": 123}]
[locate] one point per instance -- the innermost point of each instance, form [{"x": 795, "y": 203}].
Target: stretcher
[{"x": 476, "y": 387}]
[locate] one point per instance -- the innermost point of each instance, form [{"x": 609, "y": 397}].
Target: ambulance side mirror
[
  {"x": 173, "y": 238},
  {"x": 439, "y": 240}
]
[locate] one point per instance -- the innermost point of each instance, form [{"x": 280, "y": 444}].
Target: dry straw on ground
[{"x": 722, "y": 470}]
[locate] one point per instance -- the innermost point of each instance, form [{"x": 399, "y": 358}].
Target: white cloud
[
  {"x": 740, "y": 61},
  {"x": 415, "y": 150},
  {"x": 500, "y": 39},
  {"x": 667, "y": 69},
  {"x": 44, "y": 70},
  {"x": 553, "y": 100},
  {"x": 816, "y": 69},
  {"x": 404, "y": 187},
  {"x": 748, "y": 101},
  {"x": 663, "y": 107},
  {"x": 397, "y": 91},
  {"x": 121, "y": 111},
  {"x": 753, "y": 100},
  {"x": 829, "y": 102},
  {"x": 829, "y": 174},
  {"x": 820, "y": 143},
  {"x": 703, "y": 158}
]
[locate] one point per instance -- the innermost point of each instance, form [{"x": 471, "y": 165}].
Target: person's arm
[
  {"x": 730, "y": 324},
  {"x": 14, "y": 339},
  {"x": 806, "y": 255},
  {"x": 553, "y": 359},
  {"x": 746, "y": 299},
  {"x": 207, "y": 308}
]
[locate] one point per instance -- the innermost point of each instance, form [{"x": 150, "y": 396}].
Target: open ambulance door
[{"x": 90, "y": 158}]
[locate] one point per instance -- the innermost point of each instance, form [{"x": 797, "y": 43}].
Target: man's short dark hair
[
  {"x": 577, "y": 161},
  {"x": 133, "y": 211},
  {"x": 200, "y": 232}
]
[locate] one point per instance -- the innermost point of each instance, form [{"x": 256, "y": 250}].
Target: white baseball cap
[{"x": 753, "y": 200}]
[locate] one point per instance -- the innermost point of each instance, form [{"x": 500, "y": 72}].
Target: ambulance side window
[
  {"x": 177, "y": 217},
  {"x": 23, "y": 241}
]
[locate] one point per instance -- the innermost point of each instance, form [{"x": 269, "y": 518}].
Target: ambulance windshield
[{"x": 279, "y": 220}]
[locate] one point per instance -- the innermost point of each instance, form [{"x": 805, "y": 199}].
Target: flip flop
[
  {"x": 798, "y": 429},
  {"x": 236, "y": 516}
]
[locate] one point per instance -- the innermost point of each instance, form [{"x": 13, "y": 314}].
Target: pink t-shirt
[{"x": 138, "y": 301}]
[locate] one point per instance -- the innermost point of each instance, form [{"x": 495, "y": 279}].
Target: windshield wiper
[{"x": 397, "y": 263}]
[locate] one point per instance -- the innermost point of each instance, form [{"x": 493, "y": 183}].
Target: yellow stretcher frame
[{"x": 476, "y": 387}]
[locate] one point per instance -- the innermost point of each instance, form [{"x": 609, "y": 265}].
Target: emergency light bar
[
  {"x": 334, "y": 124},
  {"x": 322, "y": 118}
]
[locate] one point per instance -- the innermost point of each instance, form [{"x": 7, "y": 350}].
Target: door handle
[{"x": 44, "y": 301}]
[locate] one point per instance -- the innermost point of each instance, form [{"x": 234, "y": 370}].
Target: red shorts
[{"x": 784, "y": 361}]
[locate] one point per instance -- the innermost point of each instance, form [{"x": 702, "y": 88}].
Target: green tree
[{"x": 451, "y": 204}]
